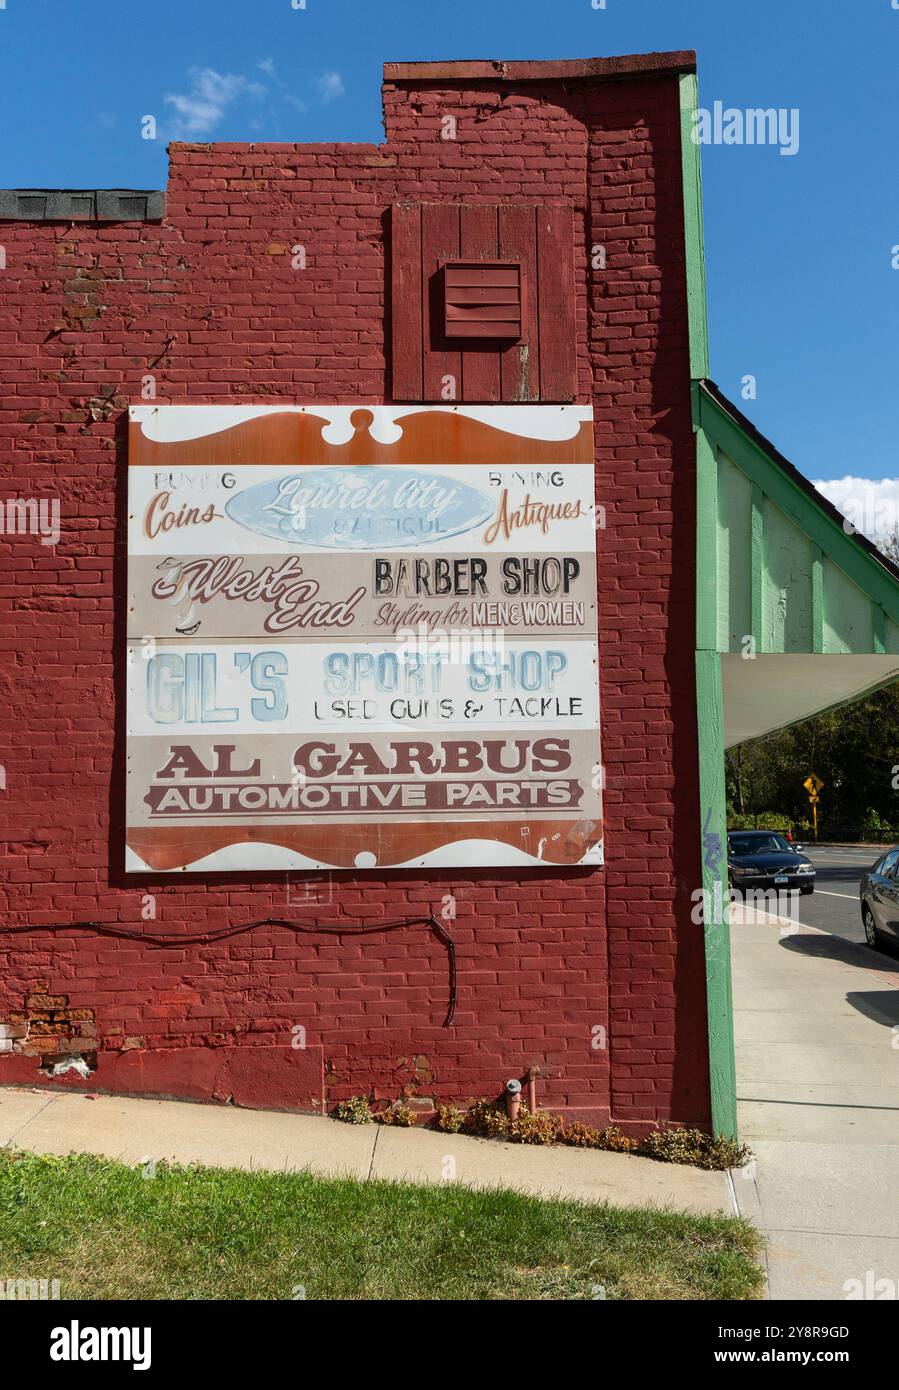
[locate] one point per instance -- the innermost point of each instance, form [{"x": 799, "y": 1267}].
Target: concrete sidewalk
[
  {"x": 818, "y": 1083},
  {"x": 135, "y": 1131}
]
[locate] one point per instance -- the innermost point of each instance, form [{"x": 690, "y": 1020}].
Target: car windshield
[{"x": 757, "y": 844}]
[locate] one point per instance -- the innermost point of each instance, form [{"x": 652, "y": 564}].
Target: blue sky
[{"x": 803, "y": 295}]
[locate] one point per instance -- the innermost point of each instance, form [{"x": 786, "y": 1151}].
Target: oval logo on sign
[{"x": 360, "y": 508}]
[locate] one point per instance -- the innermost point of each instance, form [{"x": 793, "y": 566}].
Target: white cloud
[
  {"x": 200, "y": 110},
  {"x": 870, "y": 505},
  {"x": 197, "y": 112},
  {"x": 281, "y": 89},
  {"x": 330, "y": 86}
]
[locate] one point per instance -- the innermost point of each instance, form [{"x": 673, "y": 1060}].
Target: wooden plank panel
[
  {"x": 757, "y": 551},
  {"x": 555, "y": 271},
  {"x": 478, "y": 240},
  {"x": 439, "y": 242},
  {"x": 818, "y": 599},
  {"x": 406, "y": 302},
  {"x": 732, "y": 548},
  {"x": 520, "y": 363}
]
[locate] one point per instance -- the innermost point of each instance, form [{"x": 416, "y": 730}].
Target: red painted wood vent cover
[{"x": 483, "y": 299}]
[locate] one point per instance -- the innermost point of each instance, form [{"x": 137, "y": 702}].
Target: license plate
[{"x": 781, "y": 878}]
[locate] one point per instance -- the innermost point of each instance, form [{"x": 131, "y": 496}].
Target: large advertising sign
[{"x": 361, "y": 637}]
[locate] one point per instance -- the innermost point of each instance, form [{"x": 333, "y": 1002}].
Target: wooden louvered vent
[
  {"x": 484, "y": 302},
  {"x": 483, "y": 299}
]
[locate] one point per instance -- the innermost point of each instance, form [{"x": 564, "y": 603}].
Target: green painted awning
[{"x": 805, "y": 613}]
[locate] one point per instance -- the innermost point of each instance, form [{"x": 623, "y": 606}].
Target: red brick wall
[{"x": 209, "y": 304}]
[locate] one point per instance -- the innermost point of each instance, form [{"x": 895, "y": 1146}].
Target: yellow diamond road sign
[{"x": 813, "y": 784}]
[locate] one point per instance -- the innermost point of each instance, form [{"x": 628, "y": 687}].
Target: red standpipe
[{"x": 513, "y": 1099}]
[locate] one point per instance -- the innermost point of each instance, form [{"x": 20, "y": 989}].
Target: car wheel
[
  {"x": 871, "y": 934},
  {"x": 805, "y": 891}
]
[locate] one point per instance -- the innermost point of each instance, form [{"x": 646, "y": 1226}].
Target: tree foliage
[{"x": 854, "y": 750}]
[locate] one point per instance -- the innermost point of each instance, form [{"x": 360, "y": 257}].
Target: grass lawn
[{"x": 107, "y": 1231}]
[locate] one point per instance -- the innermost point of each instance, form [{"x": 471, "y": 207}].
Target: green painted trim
[
  {"x": 757, "y": 564},
  {"x": 821, "y": 529},
  {"x": 817, "y": 599},
  {"x": 706, "y": 544},
  {"x": 713, "y": 816},
  {"x": 709, "y": 700},
  {"x": 694, "y": 244},
  {"x": 694, "y": 402}
]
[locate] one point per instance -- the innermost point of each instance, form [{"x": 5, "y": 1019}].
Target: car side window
[{"x": 888, "y": 864}]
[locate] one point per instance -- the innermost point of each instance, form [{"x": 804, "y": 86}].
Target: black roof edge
[{"x": 802, "y": 482}]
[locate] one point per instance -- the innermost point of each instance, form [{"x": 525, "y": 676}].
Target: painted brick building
[{"x": 594, "y": 976}]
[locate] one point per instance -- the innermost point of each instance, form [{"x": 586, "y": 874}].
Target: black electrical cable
[{"x": 211, "y": 937}]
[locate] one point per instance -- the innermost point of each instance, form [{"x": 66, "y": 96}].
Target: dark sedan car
[
  {"x": 765, "y": 859},
  {"x": 879, "y": 892}
]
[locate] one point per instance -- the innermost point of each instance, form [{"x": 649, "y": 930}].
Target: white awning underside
[{"x": 774, "y": 690}]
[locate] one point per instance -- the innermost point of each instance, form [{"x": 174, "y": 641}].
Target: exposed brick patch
[{"x": 47, "y": 1027}]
